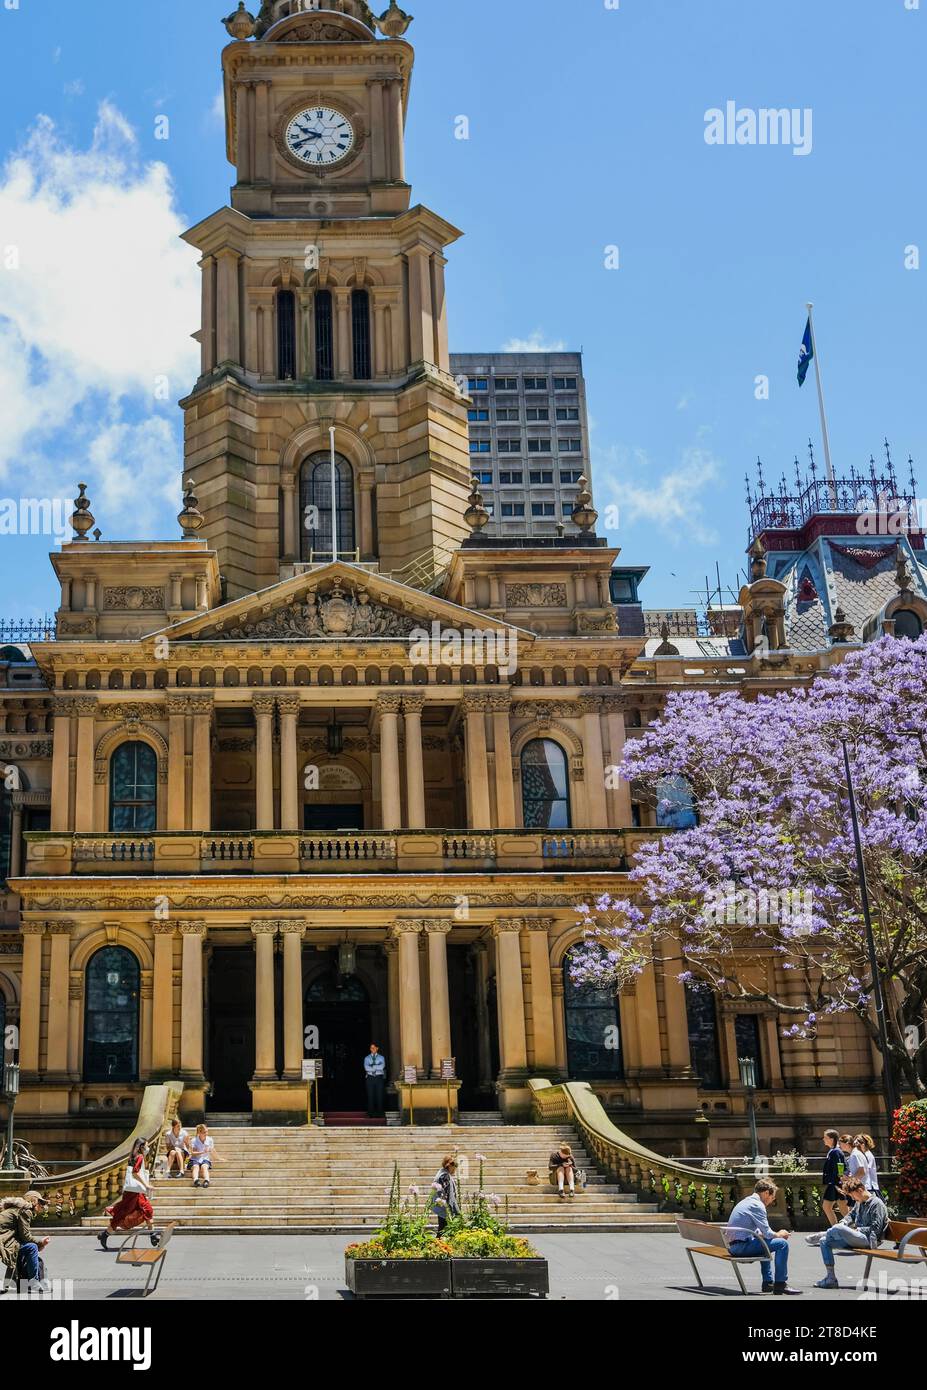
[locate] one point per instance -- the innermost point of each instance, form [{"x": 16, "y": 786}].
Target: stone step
[{"x": 323, "y": 1225}]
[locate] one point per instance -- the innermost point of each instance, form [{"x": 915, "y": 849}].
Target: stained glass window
[
  {"x": 111, "y": 1016},
  {"x": 545, "y": 790},
  {"x": 133, "y": 788}
]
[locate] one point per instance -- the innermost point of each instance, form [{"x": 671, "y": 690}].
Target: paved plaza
[{"x": 584, "y": 1267}]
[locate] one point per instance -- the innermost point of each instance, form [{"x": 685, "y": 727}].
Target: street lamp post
[
  {"x": 11, "y": 1091},
  {"x": 878, "y": 994},
  {"x": 748, "y": 1079}
]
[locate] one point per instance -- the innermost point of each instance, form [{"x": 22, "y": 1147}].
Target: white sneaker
[{"x": 815, "y": 1238}]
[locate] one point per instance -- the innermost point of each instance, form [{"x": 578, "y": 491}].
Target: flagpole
[
  {"x": 832, "y": 481},
  {"x": 331, "y": 436}
]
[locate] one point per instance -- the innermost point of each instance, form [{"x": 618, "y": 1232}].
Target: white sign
[
  {"x": 409, "y": 1075},
  {"x": 912, "y": 1039},
  {"x": 448, "y": 1068},
  {"x": 312, "y": 1069}
]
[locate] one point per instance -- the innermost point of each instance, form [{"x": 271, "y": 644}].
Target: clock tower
[{"x": 323, "y": 307}]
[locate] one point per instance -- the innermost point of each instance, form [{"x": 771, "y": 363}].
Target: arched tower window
[
  {"x": 907, "y": 624},
  {"x": 360, "y": 326},
  {"x": 324, "y": 336},
  {"x": 133, "y": 788},
  {"x": 315, "y": 490},
  {"x": 545, "y": 788},
  {"x": 286, "y": 335},
  {"x": 675, "y": 804},
  {"x": 593, "y": 1032},
  {"x": 111, "y": 1016}
]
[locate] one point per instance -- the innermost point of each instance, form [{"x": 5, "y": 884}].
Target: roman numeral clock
[{"x": 320, "y": 137}]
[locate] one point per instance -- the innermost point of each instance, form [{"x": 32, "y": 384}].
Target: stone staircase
[{"x": 316, "y": 1180}]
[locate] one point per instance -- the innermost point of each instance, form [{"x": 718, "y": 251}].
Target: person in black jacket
[
  {"x": 832, "y": 1201},
  {"x": 447, "y": 1198}
]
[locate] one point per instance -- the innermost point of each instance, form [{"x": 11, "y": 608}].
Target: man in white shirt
[{"x": 747, "y": 1223}]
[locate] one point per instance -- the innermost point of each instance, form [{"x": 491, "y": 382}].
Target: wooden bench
[
  {"x": 152, "y": 1258},
  {"x": 902, "y": 1234},
  {"x": 714, "y": 1242}
]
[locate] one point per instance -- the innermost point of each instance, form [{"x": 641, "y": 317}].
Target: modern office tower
[{"x": 529, "y": 437}]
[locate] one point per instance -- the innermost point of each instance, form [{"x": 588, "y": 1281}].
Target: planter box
[
  {"x": 398, "y": 1278},
  {"x": 500, "y": 1278}
]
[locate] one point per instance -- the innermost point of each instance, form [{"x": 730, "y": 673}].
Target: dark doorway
[
  {"x": 230, "y": 1064},
  {"x": 340, "y": 1008},
  {"x": 332, "y": 817},
  {"x": 462, "y": 986}
]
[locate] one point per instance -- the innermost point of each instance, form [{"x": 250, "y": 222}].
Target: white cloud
[
  {"x": 75, "y": 88},
  {"x": 671, "y": 501},
  {"x": 538, "y": 342},
  {"x": 101, "y": 306},
  {"x": 217, "y": 110}
]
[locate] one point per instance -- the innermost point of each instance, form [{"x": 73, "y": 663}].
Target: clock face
[{"x": 319, "y": 136}]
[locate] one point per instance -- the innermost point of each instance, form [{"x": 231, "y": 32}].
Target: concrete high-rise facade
[{"x": 529, "y": 437}]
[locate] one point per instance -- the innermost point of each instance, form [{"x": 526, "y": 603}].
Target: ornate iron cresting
[
  {"x": 788, "y": 506},
  {"x": 16, "y": 630}
]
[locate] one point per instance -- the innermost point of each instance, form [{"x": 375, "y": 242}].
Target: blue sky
[{"x": 587, "y": 129}]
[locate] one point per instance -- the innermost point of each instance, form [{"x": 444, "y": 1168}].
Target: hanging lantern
[
  {"x": 347, "y": 958},
  {"x": 335, "y": 737}
]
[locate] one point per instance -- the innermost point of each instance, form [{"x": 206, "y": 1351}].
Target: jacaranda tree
[{"x": 769, "y": 871}]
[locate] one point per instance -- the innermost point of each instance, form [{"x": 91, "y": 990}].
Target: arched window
[
  {"x": 908, "y": 624},
  {"x": 593, "y": 1032},
  {"x": 704, "y": 1052},
  {"x": 675, "y": 804},
  {"x": 111, "y": 1016},
  {"x": 360, "y": 333},
  {"x": 133, "y": 788},
  {"x": 545, "y": 789},
  {"x": 315, "y": 490},
  {"x": 324, "y": 336},
  {"x": 286, "y": 335}
]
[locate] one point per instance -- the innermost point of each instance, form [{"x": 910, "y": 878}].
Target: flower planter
[
  {"x": 499, "y": 1278},
  {"x": 399, "y": 1278}
]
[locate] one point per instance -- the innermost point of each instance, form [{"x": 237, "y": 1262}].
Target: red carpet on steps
[{"x": 347, "y": 1119}]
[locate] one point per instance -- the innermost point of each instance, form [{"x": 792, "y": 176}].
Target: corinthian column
[
  {"x": 288, "y": 705},
  {"x": 86, "y": 708},
  {"x": 500, "y": 703},
  {"x": 477, "y": 775},
  {"x": 265, "y": 1058},
  {"x": 542, "y": 1003},
  {"x": 510, "y": 993},
  {"x": 201, "y": 707},
  {"x": 59, "y": 979},
  {"x": 410, "y": 994},
  {"x": 594, "y": 762},
  {"x": 388, "y": 707},
  {"x": 191, "y": 993},
  {"x": 31, "y": 1010},
  {"x": 436, "y": 932},
  {"x": 264, "y": 761},
  {"x": 162, "y": 1027},
  {"x": 61, "y": 767},
  {"x": 412, "y": 706},
  {"x": 292, "y": 933}
]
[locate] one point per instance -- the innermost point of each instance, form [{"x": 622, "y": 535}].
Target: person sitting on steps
[
  {"x": 562, "y": 1163},
  {"x": 202, "y": 1155}
]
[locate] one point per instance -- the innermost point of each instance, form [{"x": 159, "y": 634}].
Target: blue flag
[{"x": 805, "y": 353}]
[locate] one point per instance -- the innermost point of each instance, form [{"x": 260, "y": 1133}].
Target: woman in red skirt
[{"x": 134, "y": 1207}]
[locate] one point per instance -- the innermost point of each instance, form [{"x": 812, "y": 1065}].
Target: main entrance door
[
  {"x": 230, "y": 1060},
  {"x": 338, "y": 1007}
]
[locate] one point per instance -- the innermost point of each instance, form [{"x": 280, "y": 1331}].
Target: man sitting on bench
[{"x": 748, "y": 1221}]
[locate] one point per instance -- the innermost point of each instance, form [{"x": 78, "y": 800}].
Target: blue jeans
[
  {"x": 28, "y": 1261},
  {"x": 841, "y": 1238},
  {"x": 780, "y": 1250}
]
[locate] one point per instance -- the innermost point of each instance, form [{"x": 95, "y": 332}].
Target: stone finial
[
  {"x": 757, "y": 553},
  {"x": 666, "y": 647},
  {"x": 191, "y": 518},
  {"x": 584, "y": 514},
  {"x": 241, "y": 24},
  {"x": 82, "y": 517},
  {"x": 394, "y": 22},
  {"x": 841, "y": 630},
  {"x": 476, "y": 515}
]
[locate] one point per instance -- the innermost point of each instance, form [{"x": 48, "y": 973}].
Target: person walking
[
  {"x": 870, "y": 1175},
  {"x": 563, "y": 1166},
  {"x": 178, "y": 1151},
  {"x": 862, "y": 1229},
  {"x": 134, "y": 1206},
  {"x": 19, "y": 1251},
  {"x": 447, "y": 1193},
  {"x": 375, "y": 1077},
  {"x": 834, "y": 1167},
  {"x": 857, "y": 1167},
  {"x": 746, "y": 1225},
  {"x": 202, "y": 1155}
]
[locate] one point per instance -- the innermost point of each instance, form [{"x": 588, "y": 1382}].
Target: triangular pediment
[{"x": 336, "y": 602}]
